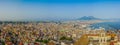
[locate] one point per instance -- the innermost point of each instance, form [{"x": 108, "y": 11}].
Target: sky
[{"x": 15, "y": 10}]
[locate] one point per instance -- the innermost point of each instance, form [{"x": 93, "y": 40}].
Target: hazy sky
[{"x": 58, "y": 9}]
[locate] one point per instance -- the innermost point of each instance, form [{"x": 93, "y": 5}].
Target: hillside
[{"x": 88, "y": 18}]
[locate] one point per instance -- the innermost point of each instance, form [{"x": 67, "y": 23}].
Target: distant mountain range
[{"x": 88, "y": 18}]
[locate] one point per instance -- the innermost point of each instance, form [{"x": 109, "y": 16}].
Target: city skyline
[{"x": 60, "y": 9}]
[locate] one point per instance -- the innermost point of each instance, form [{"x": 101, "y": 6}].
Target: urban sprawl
[{"x": 50, "y": 33}]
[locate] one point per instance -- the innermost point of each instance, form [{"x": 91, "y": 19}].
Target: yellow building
[{"x": 99, "y": 39}]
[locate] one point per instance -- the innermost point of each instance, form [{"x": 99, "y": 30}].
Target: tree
[{"x": 82, "y": 41}]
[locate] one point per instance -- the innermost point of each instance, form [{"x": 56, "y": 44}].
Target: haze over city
[
  {"x": 58, "y": 9},
  {"x": 59, "y": 22}
]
